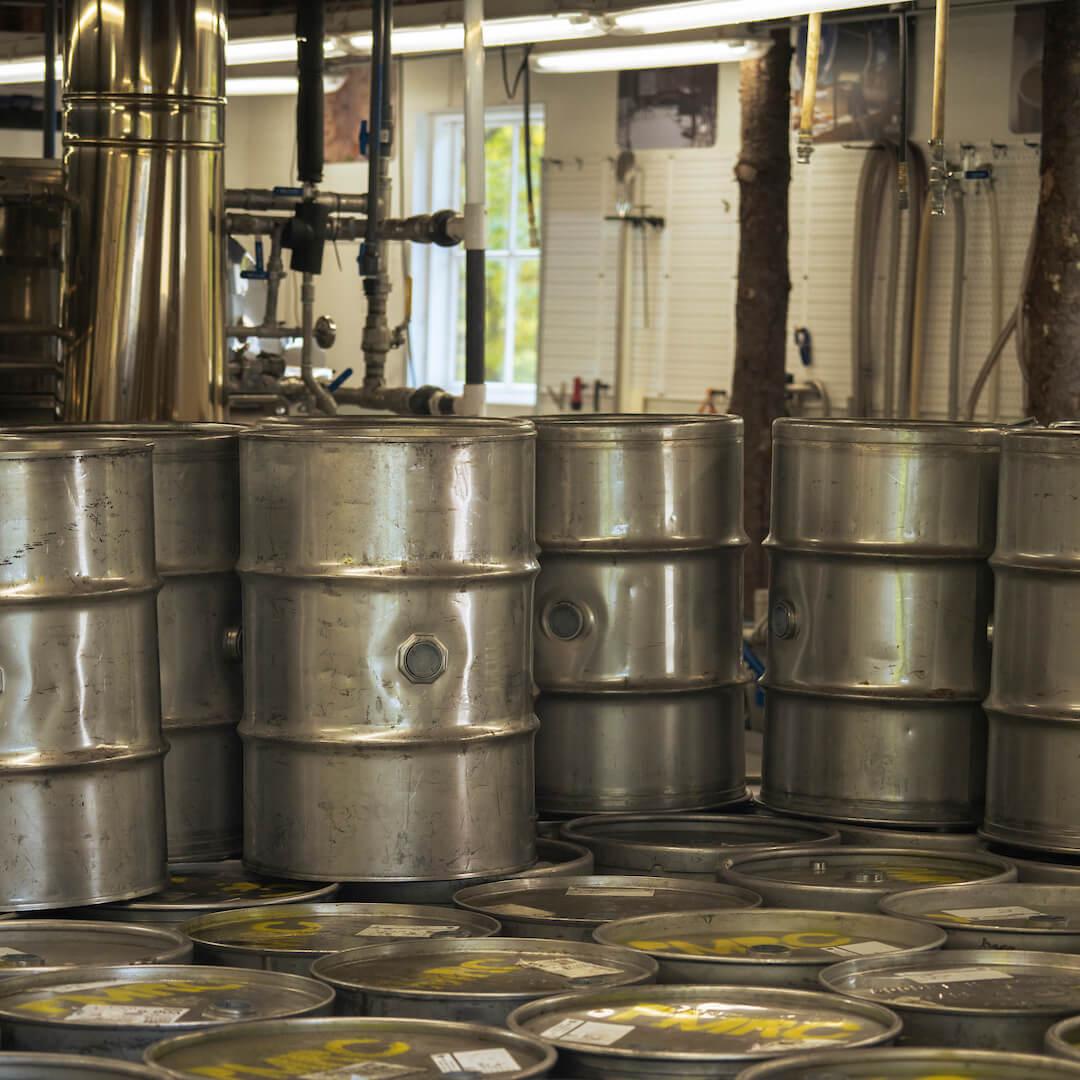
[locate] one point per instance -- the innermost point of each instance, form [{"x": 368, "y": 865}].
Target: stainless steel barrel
[
  {"x": 694, "y": 1032},
  {"x": 69, "y": 1067},
  {"x": 32, "y": 210},
  {"x": 1042, "y": 869},
  {"x": 1032, "y": 798},
  {"x": 120, "y": 1011},
  {"x": 80, "y": 709},
  {"x": 980, "y": 998},
  {"x": 348, "y": 1046},
  {"x": 144, "y": 155},
  {"x": 912, "y": 1063},
  {"x": 388, "y": 570},
  {"x": 639, "y": 612},
  {"x": 197, "y": 541},
  {"x": 879, "y": 604},
  {"x": 876, "y": 836}
]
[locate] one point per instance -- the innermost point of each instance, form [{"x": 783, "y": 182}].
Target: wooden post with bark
[
  {"x": 764, "y": 174},
  {"x": 1051, "y": 303}
]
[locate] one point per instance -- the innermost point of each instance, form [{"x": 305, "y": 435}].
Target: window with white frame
[{"x": 513, "y": 262}]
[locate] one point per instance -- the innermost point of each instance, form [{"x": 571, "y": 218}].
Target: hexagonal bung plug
[{"x": 422, "y": 658}]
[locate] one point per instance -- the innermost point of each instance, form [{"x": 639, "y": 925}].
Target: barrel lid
[
  {"x": 969, "y": 981},
  {"x": 212, "y": 886},
  {"x": 701, "y": 1023},
  {"x": 888, "y": 432},
  {"x": 36, "y": 1066},
  {"x": 483, "y": 968},
  {"x": 159, "y": 996},
  {"x": 399, "y": 429},
  {"x": 613, "y": 429},
  {"x": 34, "y": 945},
  {"x": 1009, "y": 907},
  {"x": 768, "y": 936},
  {"x": 676, "y": 839},
  {"x": 867, "y": 869},
  {"x": 317, "y": 929},
  {"x": 373, "y": 1047},
  {"x": 1063, "y": 1039},
  {"x": 590, "y": 900},
  {"x": 911, "y": 1063}
]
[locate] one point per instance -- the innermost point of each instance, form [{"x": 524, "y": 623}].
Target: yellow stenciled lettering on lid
[
  {"x": 451, "y": 976},
  {"x": 668, "y": 1017},
  {"x": 744, "y": 944},
  {"x": 123, "y": 994},
  {"x": 274, "y": 928},
  {"x": 921, "y": 876},
  {"x": 292, "y": 1064}
]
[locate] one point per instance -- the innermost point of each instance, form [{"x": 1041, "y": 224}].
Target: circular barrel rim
[
  {"x": 403, "y": 430},
  {"x": 15, "y": 447},
  {"x": 156, "y": 1055},
  {"x": 1060, "y": 438},
  {"x": 322, "y": 968},
  {"x": 605, "y": 934},
  {"x": 321, "y": 993},
  {"x": 616, "y": 429},
  {"x": 1061, "y": 1047},
  {"x": 73, "y": 1063},
  {"x": 742, "y": 994},
  {"x": 789, "y": 1066},
  {"x": 918, "y": 433}
]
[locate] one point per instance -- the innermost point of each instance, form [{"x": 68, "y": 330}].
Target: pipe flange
[{"x": 422, "y": 658}]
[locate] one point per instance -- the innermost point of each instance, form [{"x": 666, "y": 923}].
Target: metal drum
[
  {"x": 1043, "y": 918},
  {"x": 978, "y": 998},
  {"x": 1032, "y": 799},
  {"x": 765, "y": 946},
  {"x": 69, "y": 1067},
  {"x": 1063, "y": 1040},
  {"x": 879, "y": 603},
  {"x": 388, "y": 570},
  {"x": 912, "y": 1063},
  {"x": 639, "y": 1033},
  {"x": 480, "y": 981},
  {"x": 197, "y": 542},
  {"x": 856, "y": 879},
  {"x": 639, "y": 612},
  {"x": 32, "y": 212},
  {"x": 80, "y": 708},
  {"x": 572, "y": 908},
  {"x": 940, "y": 840},
  {"x": 353, "y": 1046},
  {"x": 120, "y": 1011},
  {"x": 202, "y": 888},
  {"x": 39, "y": 946},
  {"x": 289, "y": 938},
  {"x": 555, "y": 858},
  {"x": 144, "y": 128},
  {"x": 686, "y": 845},
  {"x": 1043, "y": 868}
]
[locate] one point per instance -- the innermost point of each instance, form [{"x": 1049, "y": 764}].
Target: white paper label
[
  {"x": 609, "y": 890},
  {"x": 862, "y": 948},
  {"x": 982, "y": 914},
  {"x": 521, "y": 909},
  {"x": 587, "y": 1032},
  {"x": 365, "y": 1070},
  {"x": 403, "y": 931},
  {"x": 488, "y": 1062},
  {"x": 130, "y": 1014},
  {"x": 569, "y": 967},
  {"x": 5, "y": 951},
  {"x": 949, "y": 975}
]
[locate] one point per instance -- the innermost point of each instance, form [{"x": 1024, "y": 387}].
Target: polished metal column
[{"x": 143, "y": 149}]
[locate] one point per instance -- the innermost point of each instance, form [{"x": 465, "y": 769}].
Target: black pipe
[
  {"x": 310, "y": 33},
  {"x": 475, "y": 314},
  {"x": 48, "y": 130}
]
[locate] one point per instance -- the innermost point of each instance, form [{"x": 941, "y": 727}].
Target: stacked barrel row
[{"x": 639, "y": 613}]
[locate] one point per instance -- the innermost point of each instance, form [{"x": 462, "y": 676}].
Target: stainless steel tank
[
  {"x": 879, "y": 605},
  {"x": 197, "y": 541},
  {"x": 80, "y": 708},
  {"x": 388, "y": 570},
  {"x": 144, "y": 152},
  {"x": 32, "y": 215},
  {"x": 1032, "y": 798},
  {"x": 639, "y": 612}
]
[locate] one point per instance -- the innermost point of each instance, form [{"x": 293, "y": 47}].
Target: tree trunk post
[
  {"x": 1051, "y": 302},
  {"x": 763, "y": 172}
]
